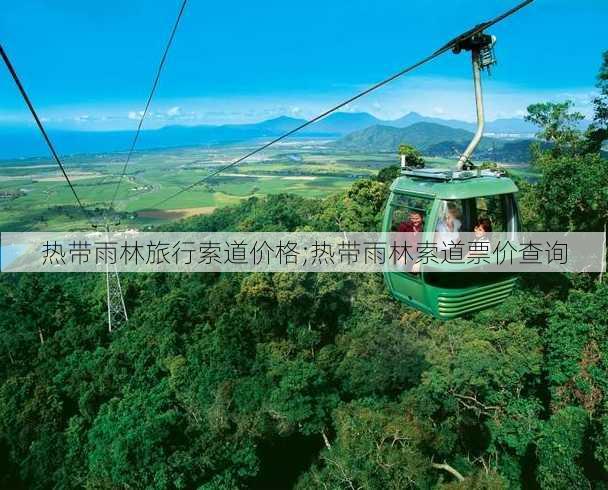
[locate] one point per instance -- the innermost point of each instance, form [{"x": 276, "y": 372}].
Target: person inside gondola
[
  {"x": 414, "y": 224},
  {"x": 483, "y": 226},
  {"x": 481, "y": 242},
  {"x": 449, "y": 227}
]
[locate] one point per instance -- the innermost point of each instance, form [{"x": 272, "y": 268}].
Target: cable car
[{"x": 428, "y": 194}]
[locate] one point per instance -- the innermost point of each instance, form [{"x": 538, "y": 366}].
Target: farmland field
[{"x": 35, "y": 197}]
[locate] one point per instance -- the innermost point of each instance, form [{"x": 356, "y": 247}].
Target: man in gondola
[{"x": 414, "y": 224}]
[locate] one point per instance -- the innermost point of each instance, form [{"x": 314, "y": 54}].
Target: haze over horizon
[
  {"x": 24, "y": 142},
  {"x": 287, "y": 117}
]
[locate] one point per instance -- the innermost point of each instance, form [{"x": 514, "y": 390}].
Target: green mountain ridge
[
  {"x": 434, "y": 139},
  {"x": 422, "y": 135}
]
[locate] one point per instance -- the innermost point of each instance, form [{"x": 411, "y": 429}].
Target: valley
[{"x": 33, "y": 196}]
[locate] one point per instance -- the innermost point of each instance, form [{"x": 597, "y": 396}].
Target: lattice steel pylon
[{"x": 117, "y": 312}]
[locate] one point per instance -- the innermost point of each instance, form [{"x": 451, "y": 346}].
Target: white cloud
[
  {"x": 174, "y": 111},
  {"x": 135, "y": 115},
  {"x": 440, "y": 97}
]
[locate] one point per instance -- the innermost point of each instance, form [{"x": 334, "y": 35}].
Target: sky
[{"x": 89, "y": 65}]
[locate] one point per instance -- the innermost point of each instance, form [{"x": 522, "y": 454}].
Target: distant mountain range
[
  {"x": 24, "y": 143},
  {"x": 506, "y": 126},
  {"x": 422, "y": 135},
  {"x": 434, "y": 139}
]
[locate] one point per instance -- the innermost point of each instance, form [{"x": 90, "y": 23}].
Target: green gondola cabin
[
  {"x": 433, "y": 195},
  {"x": 472, "y": 194}
]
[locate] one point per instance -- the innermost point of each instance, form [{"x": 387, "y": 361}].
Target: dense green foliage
[
  {"x": 313, "y": 380},
  {"x": 234, "y": 381},
  {"x": 411, "y": 156}
]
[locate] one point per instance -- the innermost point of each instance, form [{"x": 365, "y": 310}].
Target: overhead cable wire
[
  {"x": 150, "y": 96},
  {"x": 30, "y": 106},
  {"x": 448, "y": 46}
]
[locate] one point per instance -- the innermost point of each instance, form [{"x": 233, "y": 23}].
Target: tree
[
  {"x": 560, "y": 448},
  {"x": 479, "y": 392},
  {"x": 377, "y": 447},
  {"x": 597, "y": 132},
  {"x": 31, "y": 420},
  {"x": 388, "y": 174},
  {"x": 411, "y": 156},
  {"x": 559, "y": 126},
  {"x": 576, "y": 344},
  {"x": 358, "y": 209},
  {"x": 301, "y": 397},
  {"x": 377, "y": 361},
  {"x": 572, "y": 193},
  {"x": 136, "y": 441}
]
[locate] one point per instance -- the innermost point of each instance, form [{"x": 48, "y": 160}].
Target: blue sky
[{"x": 89, "y": 64}]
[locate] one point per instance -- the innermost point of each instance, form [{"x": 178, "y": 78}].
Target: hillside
[
  {"x": 422, "y": 135},
  {"x": 434, "y": 140}
]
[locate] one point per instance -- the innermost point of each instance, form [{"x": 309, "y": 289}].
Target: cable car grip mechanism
[{"x": 482, "y": 56}]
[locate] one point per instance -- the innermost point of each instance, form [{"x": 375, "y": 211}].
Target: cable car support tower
[{"x": 117, "y": 311}]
